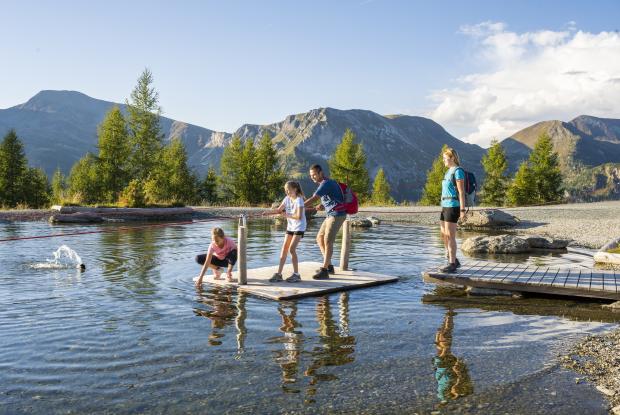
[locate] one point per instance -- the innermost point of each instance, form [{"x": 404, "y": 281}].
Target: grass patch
[{"x": 614, "y": 250}]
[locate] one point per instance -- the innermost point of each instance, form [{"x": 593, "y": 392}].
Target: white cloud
[{"x": 531, "y": 77}]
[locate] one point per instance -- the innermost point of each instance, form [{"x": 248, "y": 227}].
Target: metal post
[
  {"x": 241, "y": 252},
  {"x": 346, "y": 245}
]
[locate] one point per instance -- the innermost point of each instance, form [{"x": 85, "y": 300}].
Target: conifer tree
[
  {"x": 381, "y": 190},
  {"x": 522, "y": 190},
  {"x": 84, "y": 185},
  {"x": 495, "y": 182},
  {"x": 231, "y": 165},
  {"x": 431, "y": 195},
  {"x": 249, "y": 179},
  {"x": 208, "y": 187},
  {"x": 37, "y": 191},
  {"x": 348, "y": 165},
  {"x": 270, "y": 176},
  {"x": 144, "y": 130},
  {"x": 59, "y": 187},
  {"x": 114, "y": 151},
  {"x": 13, "y": 168},
  {"x": 546, "y": 171}
]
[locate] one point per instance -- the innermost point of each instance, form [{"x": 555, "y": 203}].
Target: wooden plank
[
  {"x": 549, "y": 276},
  {"x": 259, "y": 285},
  {"x": 518, "y": 268},
  {"x": 560, "y": 279}
]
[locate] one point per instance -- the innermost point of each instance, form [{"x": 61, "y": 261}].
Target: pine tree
[
  {"x": 144, "y": 130},
  {"x": 37, "y": 191},
  {"x": 522, "y": 190},
  {"x": 348, "y": 165},
  {"x": 431, "y": 195},
  {"x": 249, "y": 180},
  {"x": 13, "y": 168},
  {"x": 546, "y": 171},
  {"x": 114, "y": 151},
  {"x": 208, "y": 187},
  {"x": 84, "y": 185},
  {"x": 271, "y": 177},
  {"x": 231, "y": 165},
  {"x": 59, "y": 187},
  {"x": 495, "y": 182},
  {"x": 381, "y": 190}
]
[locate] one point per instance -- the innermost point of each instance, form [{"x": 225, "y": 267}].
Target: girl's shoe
[
  {"x": 276, "y": 277},
  {"x": 295, "y": 277}
]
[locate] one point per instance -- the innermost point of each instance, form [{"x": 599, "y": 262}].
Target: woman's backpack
[{"x": 470, "y": 186}]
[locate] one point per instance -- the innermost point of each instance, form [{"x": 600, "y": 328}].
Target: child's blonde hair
[
  {"x": 296, "y": 186},
  {"x": 218, "y": 233},
  {"x": 450, "y": 152}
]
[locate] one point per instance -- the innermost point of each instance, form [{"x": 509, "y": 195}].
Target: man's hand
[{"x": 320, "y": 207}]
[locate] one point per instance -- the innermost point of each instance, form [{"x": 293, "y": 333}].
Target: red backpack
[{"x": 350, "y": 204}]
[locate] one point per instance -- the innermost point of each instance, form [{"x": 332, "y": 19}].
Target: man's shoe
[
  {"x": 458, "y": 263},
  {"x": 323, "y": 274},
  {"x": 448, "y": 268},
  {"x": 330, "y": 269},
  {"x": 276, "y": 277},
  {"x": 295, "y": 277}
]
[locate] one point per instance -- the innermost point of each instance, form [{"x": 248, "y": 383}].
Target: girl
[
  {"x": 452, "y": 206},
  {"x": 222, "y": 253},
  {"x": 293, "y": 208}
]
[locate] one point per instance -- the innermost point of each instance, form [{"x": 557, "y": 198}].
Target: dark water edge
[{"x": 131, "y": 335}]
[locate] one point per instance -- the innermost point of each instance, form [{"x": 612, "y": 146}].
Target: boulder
[
  {"x": 488, "y": 218},
  {"x": 541, "y": 242},
  {"x": 360, "y": 222},
  {"x": 500, "y": 244},
  {"x": 375, "y": 221},
  {"x": 609, "y": 253}
]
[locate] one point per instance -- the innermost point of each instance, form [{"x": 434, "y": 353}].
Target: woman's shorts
[
  {"x": 230, "y": 258},
  {"x": 295, "y": 233},
  {"x": 450, "y": 214}
]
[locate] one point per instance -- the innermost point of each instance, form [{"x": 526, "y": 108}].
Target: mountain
[{"x": 59, "y": 127}]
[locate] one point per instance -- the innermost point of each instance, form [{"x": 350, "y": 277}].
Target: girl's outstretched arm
[{"x": 204, "y": 268}]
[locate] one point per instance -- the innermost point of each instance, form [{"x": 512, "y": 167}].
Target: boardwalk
[
  {"x": 259, "y": 285},
  {"x": 578, "y": 282}
]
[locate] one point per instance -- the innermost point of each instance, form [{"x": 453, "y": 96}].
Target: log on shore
[
  {"x": 75, "y": 218},
  {"x": 131, "y": 212}
]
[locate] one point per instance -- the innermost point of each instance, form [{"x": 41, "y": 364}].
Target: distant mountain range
[{"x": 59, "y": 127}]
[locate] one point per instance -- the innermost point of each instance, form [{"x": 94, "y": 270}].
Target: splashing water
[{"x": 64, "y": 257}]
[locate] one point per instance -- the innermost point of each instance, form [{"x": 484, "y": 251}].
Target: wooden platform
[
  {"x": 579, "y": 282},
  {"x": 259, "y": 285}
]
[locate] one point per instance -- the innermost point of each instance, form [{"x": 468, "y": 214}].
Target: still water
[{"x": 132, "y": 335}]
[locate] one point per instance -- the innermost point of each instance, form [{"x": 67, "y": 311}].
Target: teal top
[{"x": 449, "y": 195}]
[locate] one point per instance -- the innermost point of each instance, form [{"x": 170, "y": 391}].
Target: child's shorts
[
  {"x": 230, "y": 258},
  {"x": 295, "y": 233}
]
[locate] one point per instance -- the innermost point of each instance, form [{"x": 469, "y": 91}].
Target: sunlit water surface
[{"x": 132, "y": 335}]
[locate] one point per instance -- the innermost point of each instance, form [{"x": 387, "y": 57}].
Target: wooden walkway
[
  {"x": 259, "y": 285},
  {"x": 579, "y": 282}
]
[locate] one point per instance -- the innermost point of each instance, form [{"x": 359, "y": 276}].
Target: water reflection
[
  {"x": 451, "y": 374},
  {"x": 292, "y": 342},
  {"x": 222, "y": 312}
]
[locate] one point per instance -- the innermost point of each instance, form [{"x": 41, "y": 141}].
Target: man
[{"x": 331, "y": 196}]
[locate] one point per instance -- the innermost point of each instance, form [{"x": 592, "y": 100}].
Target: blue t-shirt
[
  {"x": 331, "y": 195},
  {"x": 448, "y": 190}
]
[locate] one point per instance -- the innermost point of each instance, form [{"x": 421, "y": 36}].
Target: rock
[
  {"x": 604, "y": 390},
  {"x": 500, "y": 244},
  {"x": 488, "y": 218},
  {"x": 487, "y": 291},
  {"x": 612, "y": 306},
  {"x": 616, "y": 410},
  {"x": 75, "y": 218},
  {"x": 541, "y": 242},
  {"x": 609, "y": 253},
  {"x": 375, "y": 221},
  {"x": 360, "y": 222}
]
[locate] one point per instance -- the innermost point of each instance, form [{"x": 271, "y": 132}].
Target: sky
[{"x": 482, "y": 69}]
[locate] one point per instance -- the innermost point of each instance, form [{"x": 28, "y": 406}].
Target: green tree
[
  {"x": 13, "y": 168},
  {"x": 270, "y": 176},
  {"x": 172, "y": 182},
  {"x": 208, "y": 187},
  {"x": 546, "y": 171},
  {"x": 231, "y": 165},
  {"x": 381, "y": 190},
  {"x": 59, "y": 187},
  {"x": 133, "y": 194},
  {"x": 249, "y": 179},
  {"x": 84, "y": 185},
  {"x": 114, "y": 151},
  {"x": 144, "y": 130},
  {"x": 348, "y": 165},
  {"x": 37, "y": 192},
  {"x": 496, "y": 181},
  {"x": 431, "y": 195},
  {"x": 522, "y": 190}
]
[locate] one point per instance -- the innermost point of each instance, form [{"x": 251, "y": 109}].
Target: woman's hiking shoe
[
  {"x": 322, "y": 274},
  {"x": 276, "y": 277},
  {"x": 295, "y": 277},
  {"x": 448, "y": 268}
]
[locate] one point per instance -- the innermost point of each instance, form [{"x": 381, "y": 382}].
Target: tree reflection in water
[{"x": 451, "y": 373}]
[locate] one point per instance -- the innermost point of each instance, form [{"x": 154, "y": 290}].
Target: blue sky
[{"x": 222, "y": 64}]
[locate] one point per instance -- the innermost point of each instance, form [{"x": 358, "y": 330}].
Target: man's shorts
[
  {"x": 230, "y": 258},
  {"x": 330, "y": 227},
  {"x": 450, "y": 214}
]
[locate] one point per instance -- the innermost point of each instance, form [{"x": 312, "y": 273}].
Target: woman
[{"x": 452, "y": 205}]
